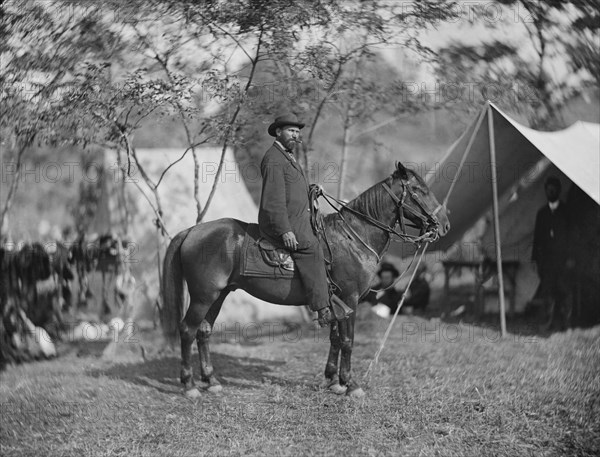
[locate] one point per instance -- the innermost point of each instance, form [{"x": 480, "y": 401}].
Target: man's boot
[
  {"x": 336, "y": 311},
  {"x": 325, "y": 316}
]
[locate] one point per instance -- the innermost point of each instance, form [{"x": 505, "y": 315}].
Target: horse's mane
[
  {"x": 375, "y": 200},
  {"x": 371, "y": 201}
]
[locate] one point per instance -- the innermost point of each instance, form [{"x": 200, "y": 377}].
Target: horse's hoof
[
  {"x": 215, "y": 388},
  {"x": 356, "y": 393},
  {"x": 192, "y": 393},
  {"x": 337, "y": 388}
]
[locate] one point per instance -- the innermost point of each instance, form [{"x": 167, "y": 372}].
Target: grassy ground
[{"x": 439, "y": 389}]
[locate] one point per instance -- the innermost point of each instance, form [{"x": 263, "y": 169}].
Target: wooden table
[{"x": 483, "y": 270}]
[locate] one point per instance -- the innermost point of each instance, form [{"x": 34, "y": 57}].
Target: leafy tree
[
  {"x": 39, "y": 51},
  {"x": 583, "y": 47},
  {"x": 319, "y": 78},
  {"x": 511, "y": 77}
]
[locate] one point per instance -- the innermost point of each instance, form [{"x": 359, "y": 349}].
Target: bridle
[
  {"x": 429, "y": 229},
  {"x": 429, "y": 219}
]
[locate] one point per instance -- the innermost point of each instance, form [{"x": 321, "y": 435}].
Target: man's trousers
[{"x": 310, "y": 264}]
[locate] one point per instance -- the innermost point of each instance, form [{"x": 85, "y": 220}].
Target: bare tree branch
[{"x": 231, "y": 124}]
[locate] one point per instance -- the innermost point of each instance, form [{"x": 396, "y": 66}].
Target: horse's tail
[{"x": 172, "y": 311}]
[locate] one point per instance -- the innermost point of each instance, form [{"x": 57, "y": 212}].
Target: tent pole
[{"x": 496, "y": 220}]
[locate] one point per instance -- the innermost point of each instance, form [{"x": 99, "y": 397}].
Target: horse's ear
[{"x": 401, "y": 171}]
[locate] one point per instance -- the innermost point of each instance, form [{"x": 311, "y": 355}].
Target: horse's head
[{"x": 416, "y": 203}]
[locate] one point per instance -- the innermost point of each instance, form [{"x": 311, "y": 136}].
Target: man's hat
[
  {"x": 386, "y": 266},
  {"x": 284, "y": 120}
]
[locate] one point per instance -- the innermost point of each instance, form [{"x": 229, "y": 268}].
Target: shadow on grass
[{"x": 162, "y": 374}]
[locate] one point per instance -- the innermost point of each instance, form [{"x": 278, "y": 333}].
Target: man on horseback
[{"x": 284, "y": 215}]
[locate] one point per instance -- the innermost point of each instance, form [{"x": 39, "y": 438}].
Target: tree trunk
[
  {"x": 12, "y": 190},
  {"x": 344, "y": 158}
]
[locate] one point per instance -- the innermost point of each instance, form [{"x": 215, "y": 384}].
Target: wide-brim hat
[
  {"x": 283, "y": 121},
  {"x": 386, "y": 266}
]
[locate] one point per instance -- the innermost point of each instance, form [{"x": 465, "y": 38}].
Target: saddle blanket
[{"x": 260, "y": 258}]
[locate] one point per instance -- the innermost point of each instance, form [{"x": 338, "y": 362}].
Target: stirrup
[{"x": 341, "y": 311}]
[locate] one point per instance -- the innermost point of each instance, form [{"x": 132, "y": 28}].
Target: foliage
[
  {"x": 41, "y": 48},
  {"x": 557, "y": 33},
  {"x": 97, "y": 73}
]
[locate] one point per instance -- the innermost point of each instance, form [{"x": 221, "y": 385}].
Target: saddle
[{"x": 262, "y": 258}]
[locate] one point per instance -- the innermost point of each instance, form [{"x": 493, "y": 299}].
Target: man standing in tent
[
  {"x": 284, "y": 216},
  {"x": 550, "y": 244}
]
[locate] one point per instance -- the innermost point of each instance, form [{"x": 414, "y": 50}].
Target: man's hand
[
  {"x": 289, "y": 240},
  {"x": 317, "y": 187}
]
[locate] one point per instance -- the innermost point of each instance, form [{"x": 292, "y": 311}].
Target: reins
[
  {"x": 428, "y": 236},
  {"x": 400, "y": 208}
]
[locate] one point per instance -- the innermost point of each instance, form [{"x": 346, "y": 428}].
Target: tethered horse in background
[{"x": 206, "y": 257}]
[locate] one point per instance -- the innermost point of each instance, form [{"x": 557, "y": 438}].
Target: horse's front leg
[
  {"x": 331, "y": 369},
  {"x": 346, "y": 330}
]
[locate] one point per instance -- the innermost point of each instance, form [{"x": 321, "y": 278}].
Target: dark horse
[{"x": 206, "y": 256}]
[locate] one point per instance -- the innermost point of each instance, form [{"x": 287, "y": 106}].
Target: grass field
[{"x": 438, "y": 389}]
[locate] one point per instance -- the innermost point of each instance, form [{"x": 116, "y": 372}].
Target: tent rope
[
  {"x": 455, "y": 178},
  {"x": 400, "y": 276},
  {"x": 375, "y": 359},
  {"x": 464, "y": 158}
]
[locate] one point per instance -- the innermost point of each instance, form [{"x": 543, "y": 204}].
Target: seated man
[{"x": 385, "y": 302}]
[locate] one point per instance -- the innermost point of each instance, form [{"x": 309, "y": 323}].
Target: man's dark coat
[
  {"x": 284, "y": 205},
  {"x": 550, "y": 238},
  {"x": 550, "y": 252}
]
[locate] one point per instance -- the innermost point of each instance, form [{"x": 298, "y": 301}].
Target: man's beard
[{"x": 290, "y": 144}]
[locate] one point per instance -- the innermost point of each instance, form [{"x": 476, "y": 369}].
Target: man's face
[
  {"x": 552, "y": 193},
  {"x": 387, "y": 278},
  {"x": 288, "y": 135}
]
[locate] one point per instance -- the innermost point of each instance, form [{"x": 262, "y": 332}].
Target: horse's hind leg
[
  {"x": 203, "y": 339},
  {"x": 187, "y": 332}
]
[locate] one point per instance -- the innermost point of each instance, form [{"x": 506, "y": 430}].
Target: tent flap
[{"x": 575, "y": 151}]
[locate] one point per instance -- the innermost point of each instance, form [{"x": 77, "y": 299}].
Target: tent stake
[{"x": 496, "y": 219}]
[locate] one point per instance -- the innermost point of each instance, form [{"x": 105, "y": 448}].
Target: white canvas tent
[
  {"x": 493, "y": 155},
  {"x": 575, "y": 151}
]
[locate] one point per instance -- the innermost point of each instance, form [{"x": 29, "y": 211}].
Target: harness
[{"x": 429, "y": 219}]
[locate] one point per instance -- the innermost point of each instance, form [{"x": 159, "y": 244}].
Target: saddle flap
[
  {"x": 275, "y": 256},
  {"x": 262, "y": 257}
]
